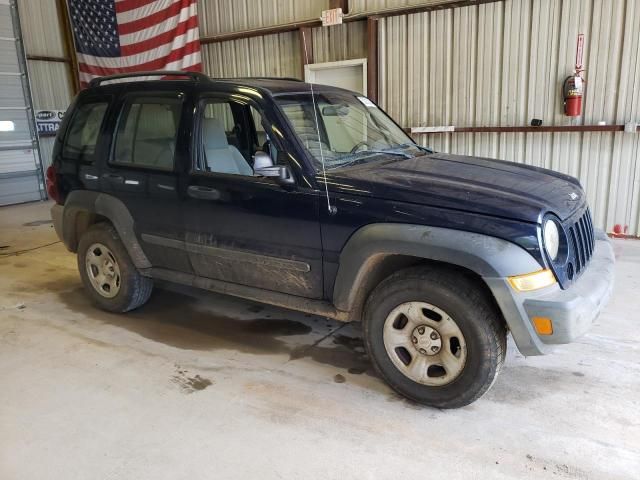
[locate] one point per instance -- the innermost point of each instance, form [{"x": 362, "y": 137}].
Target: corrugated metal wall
[
  {"x": 340, "y": 42},
  {"x": 269, "y": 55},
  {"x": 369, "y": 6},
  {"x": 502, "y": 64},
  {"x": 51, "y": 84},
  {"x": 224, "y": 16}
]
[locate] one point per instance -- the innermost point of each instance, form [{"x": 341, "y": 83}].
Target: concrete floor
[{"x": 205, "y": 386}]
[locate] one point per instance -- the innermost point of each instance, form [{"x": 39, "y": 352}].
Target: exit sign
[{"x": 332, "y": 17}]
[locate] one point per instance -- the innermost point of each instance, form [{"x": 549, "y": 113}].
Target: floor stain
[
  {"x": 177, "y": 320},
  {"x": 180, "y": 321},
  {"x": 189, "y": 385},
  {"x": 37, "y": 223},
  {"x": 339, "y": 378},
  {"x": 344, "y": 352},
  {"x": 356, "y": 370}
]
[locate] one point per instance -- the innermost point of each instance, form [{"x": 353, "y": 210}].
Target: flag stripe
[
  {"x": 155, "y": 30},
  {"x": 143, "y": 10},
  {"x": 156, "y": 64},
  {"x": 150, "y": 20},
  {"x": 126, "y": 5},
  {"x": 143, "y": 46},
  {"x": 141, "y": 58}
]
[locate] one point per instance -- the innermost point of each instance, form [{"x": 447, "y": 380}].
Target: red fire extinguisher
[
  {"x": 573, "y": 86},
  {"x": 572, "y": 90}
]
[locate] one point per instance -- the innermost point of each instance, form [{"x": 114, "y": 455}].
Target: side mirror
[
  {"x": 263, "y": 166},
  {"x": 261, "y": 160}
]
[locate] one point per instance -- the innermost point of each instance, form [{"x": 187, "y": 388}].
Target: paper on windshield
[{"x": 366, "y": 102}]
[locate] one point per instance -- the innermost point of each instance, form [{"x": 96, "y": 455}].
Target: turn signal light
[
  {"x": 532, "y": 281},
  {"x": 543, "y": 325}
]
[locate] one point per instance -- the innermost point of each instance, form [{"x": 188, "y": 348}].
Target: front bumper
[{"x": 572, "y": 311}]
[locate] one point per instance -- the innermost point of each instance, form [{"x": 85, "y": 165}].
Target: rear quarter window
[{"x": 82, "y": 134}]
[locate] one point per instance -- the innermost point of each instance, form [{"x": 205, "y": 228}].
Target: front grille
[{"x": 582, "y": 241}]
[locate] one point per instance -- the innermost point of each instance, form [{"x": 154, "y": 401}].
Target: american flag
[{"x": 123, "y": 36}]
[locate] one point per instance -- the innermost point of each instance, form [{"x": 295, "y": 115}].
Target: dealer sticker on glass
[{"x": 366, "y": 102}]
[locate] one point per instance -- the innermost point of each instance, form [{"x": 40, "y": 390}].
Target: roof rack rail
[
  {"x": 195, "y": 76},
  {"x": 292, "y": 79}
]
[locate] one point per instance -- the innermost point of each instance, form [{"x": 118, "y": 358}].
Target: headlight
[{"x": 551, "y": 237}]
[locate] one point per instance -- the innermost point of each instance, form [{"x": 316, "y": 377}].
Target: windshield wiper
[
  {"x": 386, "y": 152},
  {"x": 419, "y": 147},
  {"x": 361, "y": 158}
]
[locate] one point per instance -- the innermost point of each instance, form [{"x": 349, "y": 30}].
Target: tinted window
[
  {"x": 82, "y": 136},
  {"x": 147, "y": 133}
]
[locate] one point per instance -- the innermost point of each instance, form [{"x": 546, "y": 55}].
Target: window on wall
[
  {"x": 82, "y": 136},
  {"x": 147, "y": 132}
]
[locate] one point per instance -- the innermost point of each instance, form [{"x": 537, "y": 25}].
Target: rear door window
[
  {"x": 82, "y": 136},
  {"x": 147, "y": 132}
]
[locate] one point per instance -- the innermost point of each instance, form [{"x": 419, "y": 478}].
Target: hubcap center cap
[{"x": 426, "y": 340}]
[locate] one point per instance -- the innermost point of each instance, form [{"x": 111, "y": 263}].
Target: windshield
[{"x": 352, "y": 129}]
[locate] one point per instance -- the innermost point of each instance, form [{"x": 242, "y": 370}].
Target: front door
[{"x": 242, "y": 228}]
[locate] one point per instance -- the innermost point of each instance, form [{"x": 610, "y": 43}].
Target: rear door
[{"x": 142, "y": 171}]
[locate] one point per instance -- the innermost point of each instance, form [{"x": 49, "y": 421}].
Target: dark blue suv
[{"x": 315, "y": 200}]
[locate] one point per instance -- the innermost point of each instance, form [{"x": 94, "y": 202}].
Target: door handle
[
  {"x": 113, "y": 177},
  {"x": 204, "y": 193}
]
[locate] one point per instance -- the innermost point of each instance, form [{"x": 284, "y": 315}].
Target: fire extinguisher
[{"x": 572, "y": 91}]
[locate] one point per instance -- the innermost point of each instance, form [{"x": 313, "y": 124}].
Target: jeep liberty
[{"x": 319, "y": 202}]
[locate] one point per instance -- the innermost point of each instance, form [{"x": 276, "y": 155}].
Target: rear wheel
[
  {"x": 108, "y": 274},
  {"x": 434, "y": 336}
]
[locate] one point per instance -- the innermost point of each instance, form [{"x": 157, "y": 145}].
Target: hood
[{"x": 480, "y": 185}]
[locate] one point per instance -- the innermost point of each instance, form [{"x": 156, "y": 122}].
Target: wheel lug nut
[
  {"x": 423, "y": 351},
  {"x": 434, "y": 349},
  {"x": 434, "y": 335},
  {"x": 421, "y": 330},
  {"x": 414, "y": 339}
]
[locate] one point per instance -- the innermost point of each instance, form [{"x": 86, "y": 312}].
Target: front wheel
[{"x": 434, "y": 335}]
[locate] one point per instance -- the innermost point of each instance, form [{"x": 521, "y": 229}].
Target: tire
[
  {"x": 115, "y": 286},
  {"x": 429, "y": 359}
]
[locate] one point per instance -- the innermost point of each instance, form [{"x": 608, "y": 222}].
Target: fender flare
[
  {"x": 108, "y": 206},
  {"x": 487, "y": 256}
]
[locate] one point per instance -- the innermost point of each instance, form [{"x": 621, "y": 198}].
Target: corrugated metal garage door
[{"x": 20, "y": 170}]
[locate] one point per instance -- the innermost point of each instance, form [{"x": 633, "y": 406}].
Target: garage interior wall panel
[
  {"x": 503, "y": 64},
  {"x": 340, "y": 42},
  {"x": 41, "y": 30},
  {"x": 370, "y": 6},
  {"x": 51, "y": 83},
  {"x": 226, "y": 16},
  {"x": 276, "y": 55}
]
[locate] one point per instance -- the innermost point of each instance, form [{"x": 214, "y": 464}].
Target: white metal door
[
  {"x": 349, "y": 74},
  {"x": 21, "y": 177}
]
